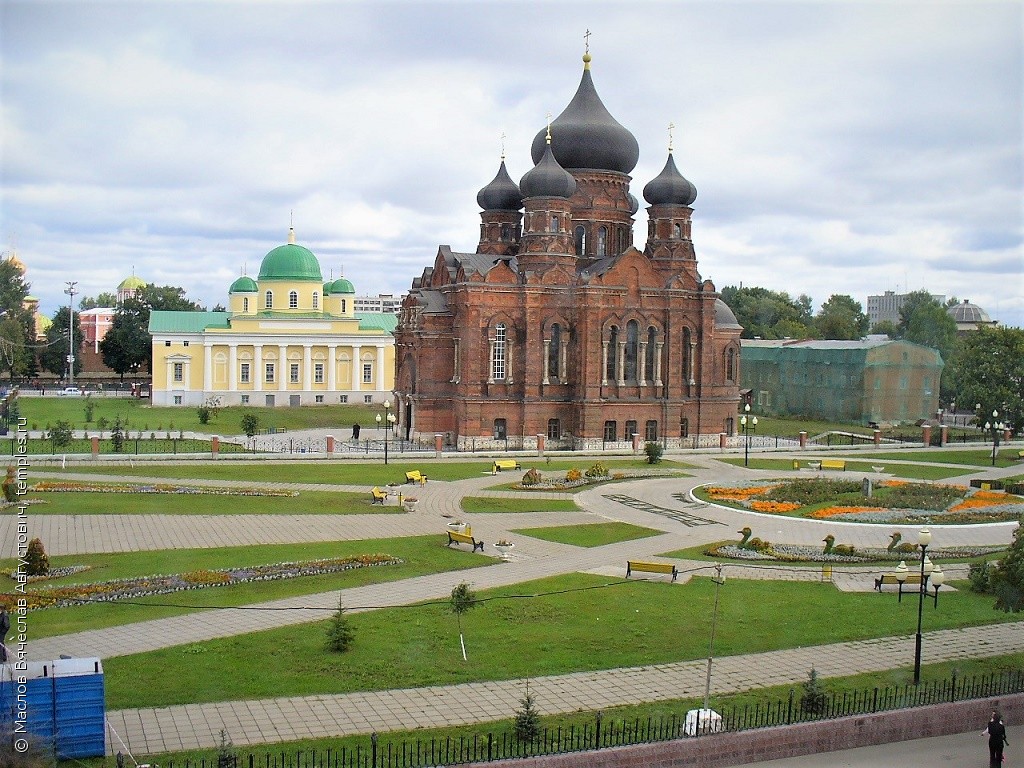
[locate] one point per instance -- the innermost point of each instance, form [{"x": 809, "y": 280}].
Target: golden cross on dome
[
  {"x": 586, "y": 41},
  {"x": 549, "y": 128},
  {"x": 671, "y": 126},
  {"x": 502, "y": 145}
]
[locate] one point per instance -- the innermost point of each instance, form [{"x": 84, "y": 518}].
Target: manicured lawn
[
  {"x": 502, "y": 504},
  {"x": 612, "y": 716},
  {"x": 591, "y": 535},
  {"x": 977, "y": 457},
  {"x": 306, "y": 503},
  {"x": 131, "y": 447},
  {"x": 569, "y": 623},
  {"x": 421, "y": 555},
  {"x": 41, "y": 411},
  {"x": 909, "y": 471}
]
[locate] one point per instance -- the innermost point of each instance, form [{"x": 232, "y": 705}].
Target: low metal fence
[{"x": 601, "y": 732}]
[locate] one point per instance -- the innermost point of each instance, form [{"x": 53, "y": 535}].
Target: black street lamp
[
  {"x": 924, "y": 538},
  {"x": 389, "y": 422},
  {"x": 997, "y": 428},
  {"x": 749, "y": 425},
  {"x": 719, "y": 581}
]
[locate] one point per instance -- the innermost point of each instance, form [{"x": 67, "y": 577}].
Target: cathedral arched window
[
  {"x": 652, "y": 346},
  {"x": 554, "y": 224},
  {"x": 632, "y": 341},
  {"x": 269, "y": 300},
  {"x": 580, "y": 236},
  {"x": 293, "y": 300},
  {"x": 686, "y": 357},
  {"x": 245, "y": 303},
  {"x": 498, "y": 352},
  {"x": 730, "y": 364},
  {"x": 506, "y": 233},
  {"x": 555, "y": 352},
  {"x": 613, "y": 353},
  {"x": 677, "y": 232},
  {"x": 602, "y": 241},
  {"x": 316, "y": 300}
]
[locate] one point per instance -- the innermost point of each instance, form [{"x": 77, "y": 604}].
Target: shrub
[
  {"x": 102, "y": 423},
  {"x": 758, "y": 545},
  {"x": 532, "y": 477},
  {"x": 653, "y": 451},
  {"x": 573, "y": 475},
  {"x": 597, "y": 469},
  {"x": 90, "y": 408},
  {"x": 250, "y": 424},
  {"x": 813, "y": 699},
  {"x": 978, "y": 575},
  {"x": 36, "y": 561},
  {"x": 117, "y": 435},
  {"x": 60, "y": 434},
  {"x": 10, "y": 487}
]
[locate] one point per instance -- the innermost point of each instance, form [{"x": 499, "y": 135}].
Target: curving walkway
[{"x": 663, "y": 504}]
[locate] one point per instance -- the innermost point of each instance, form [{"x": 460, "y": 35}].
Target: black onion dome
[
  {"x": 547, "y": 178},
  {"x": 587, "y": 135},
  {"x": 669, "y": 187},
  {"x": 634, "y": 204},
  {"x": 502, "y": 194}
]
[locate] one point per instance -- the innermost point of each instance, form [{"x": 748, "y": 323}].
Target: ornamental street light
[
  {"x": 997, "y": 428},
  {"x": 924, "y": 538},
  {"x": 70, "y": 291},
  {"x": 389, "y": 422},
  {"x": 719, "y": 581},
  {"x": 749, "y": 425}
]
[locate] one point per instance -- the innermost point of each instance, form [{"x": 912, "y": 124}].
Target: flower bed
[
  {"x": 564, "y": 484},
  {"x": 896, "y": 502},
  {"x": 146, "y": 586},
  {"x": 71, "y": 486}
]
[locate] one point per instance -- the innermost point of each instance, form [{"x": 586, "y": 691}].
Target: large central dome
[
  {"x": 290, "y": 262},
  {"x": 585, "y": 135}
]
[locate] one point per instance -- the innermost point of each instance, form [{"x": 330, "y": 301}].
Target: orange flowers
[
  {"x": 774, "y": 507},
  {"x": 736, "y": 494},
  {"x": 827, "y": 512}
]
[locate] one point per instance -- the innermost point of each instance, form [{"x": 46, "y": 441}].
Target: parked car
[{"x": 70, "y": 392}]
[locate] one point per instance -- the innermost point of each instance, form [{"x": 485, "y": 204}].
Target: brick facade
[{"x": 558, "y": 326}]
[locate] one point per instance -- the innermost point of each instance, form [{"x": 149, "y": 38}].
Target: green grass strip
[{"x": 590, "y": 535}]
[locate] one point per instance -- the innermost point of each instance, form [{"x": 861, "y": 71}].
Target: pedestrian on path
[
  {"x": 5, "y": 627},
  {"x": 996, "y": 739}
]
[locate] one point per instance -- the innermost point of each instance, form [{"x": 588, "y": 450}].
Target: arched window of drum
[
  {"x": 730, "y": 364},
  {"x": 613, "y": 353},
  {"x": 555, "y": 351},
  {"x": 269, "y": 300},
  {"x": 506, "y": 233},
  {"x": 623, "y": 240},
  {"x": 316, "y": 300},
  {"x": 652, "y": 346},
  {"x": 580, "y": 237},
  {"x": 498, "y": 353},
  {"x": 293, "y": 300},
  {"x": 245, "y": 303},
  {"x": 602, "y": 241},
  {"x": 677, "y": 232},
  {"x": 632, "y": 339},
  {"x": 554, "y": 224}
]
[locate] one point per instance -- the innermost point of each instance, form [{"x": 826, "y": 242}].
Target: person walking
[
  {"x": 5, "y": 627},
  {"x": 996, "y": 739}
]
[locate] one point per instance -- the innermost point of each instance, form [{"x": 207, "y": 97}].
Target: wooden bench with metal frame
[
  {"x": 833, "y": 464},
  {"x": 649, "y": 567},
  {"x": 454, "y": 537},
  {"x": 890, "y": 578},
  {"x": 501, "y": 464},
  {"x": 378, "y": 496}
]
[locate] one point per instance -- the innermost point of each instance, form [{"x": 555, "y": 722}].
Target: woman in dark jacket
[{"x": 996, "y": 739}]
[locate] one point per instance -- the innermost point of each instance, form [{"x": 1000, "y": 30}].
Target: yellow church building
[{"x": 288, "y": 339}]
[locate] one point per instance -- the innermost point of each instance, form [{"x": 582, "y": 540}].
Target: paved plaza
[{"x": 663, "y": 504}]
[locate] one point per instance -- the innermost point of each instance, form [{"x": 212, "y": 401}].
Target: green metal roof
[
  {"x": 290, "y": 262},
  {"x": 161, "y": 321},
  {"x": 244, "y": 284},
  {"x": 378, "y": 321}
]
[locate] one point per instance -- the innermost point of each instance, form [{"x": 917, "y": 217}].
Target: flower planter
[
  {"x": 410, "y": 504},
  {"x": 504, "y": 550},
  {"x": 457, "y": 527}
]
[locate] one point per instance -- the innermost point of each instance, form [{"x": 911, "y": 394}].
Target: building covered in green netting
[{"x": 871, "y": 380}]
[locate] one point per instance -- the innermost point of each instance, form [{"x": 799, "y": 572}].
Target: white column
[
  {"x": 357, "y": 367},
  {"x": 490, "y": 362},
  {"x": 282, "y": 367},
  {"x": 621, "y": 362},
  {"x": 257, "y": 364},
  {"x": 657, "y": 362},
  {"x": 332, "y": 367},
  {"x": 508, "y": 362},
  {"x": 307, "y": 367},
  {"x": 692, "y": 361},
  {"x": 381, "y": 381},
  {"x": 232, "y": 367},
  {"x": 455, "y": 363},
  {"x": 641, "y": 364},
  {"x": 563, "y": 371},
  {"x": 604, "y": 363},
  {"x": 207, "y": 368},
  {"x": 547, "y": 351}
]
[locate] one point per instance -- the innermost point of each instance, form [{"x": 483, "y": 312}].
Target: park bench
[
  {"x": 502, "y": 464},
  {"x": 641, "y": 565},
  {"x": 415, "y": 476},
  {"x": 890, "y": 578},
  {"x": 833, "y": 464},
  {"x": 1020, "y": 455},
  {"x": 454, "y": 537},
  {"x": 378, "y": 496}
]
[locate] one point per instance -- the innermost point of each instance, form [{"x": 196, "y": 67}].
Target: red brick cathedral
[{"x": 558, "y": 330}]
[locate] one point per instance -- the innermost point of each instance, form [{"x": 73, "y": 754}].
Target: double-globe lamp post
[
  {"x": 997, "y": 428},
  {"x": 71, "y": 291},
  {"x": 389, "y": 423},
  {"x": 929, "y": 572},
  {"x": 749, "y": 424}
]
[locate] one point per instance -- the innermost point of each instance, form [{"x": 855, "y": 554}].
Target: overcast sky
[{"x": 837, "y": 148}]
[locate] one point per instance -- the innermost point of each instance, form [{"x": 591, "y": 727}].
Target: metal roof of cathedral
[
  {"x": 586, "y": 135},
  {"x": 669, "y": 187},
  {"x": 547, "y": 178},
  {"x": 501, "y": 194}
]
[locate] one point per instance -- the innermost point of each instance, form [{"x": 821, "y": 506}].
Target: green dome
[
  {"x": 341, "y": 285},
  {"x": 131, "y": 283},
  {"x": 290, "y": 262},
  {"x": 244, "y": 284}
]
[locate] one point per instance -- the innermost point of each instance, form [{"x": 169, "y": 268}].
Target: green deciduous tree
[
  {"x": 104, "y": 299},
  {"x": 1006, "y": 577},
  {"x": 462, "y": 600},
  {"x": 841, "y": 317},
  {"x": 54, "y": 356},
  {"x": 768, "y": 314},
  {"x": 988, "y": 369},
  {"x": 250, "y": 424},
  {"x": 923, "y": 320}
]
